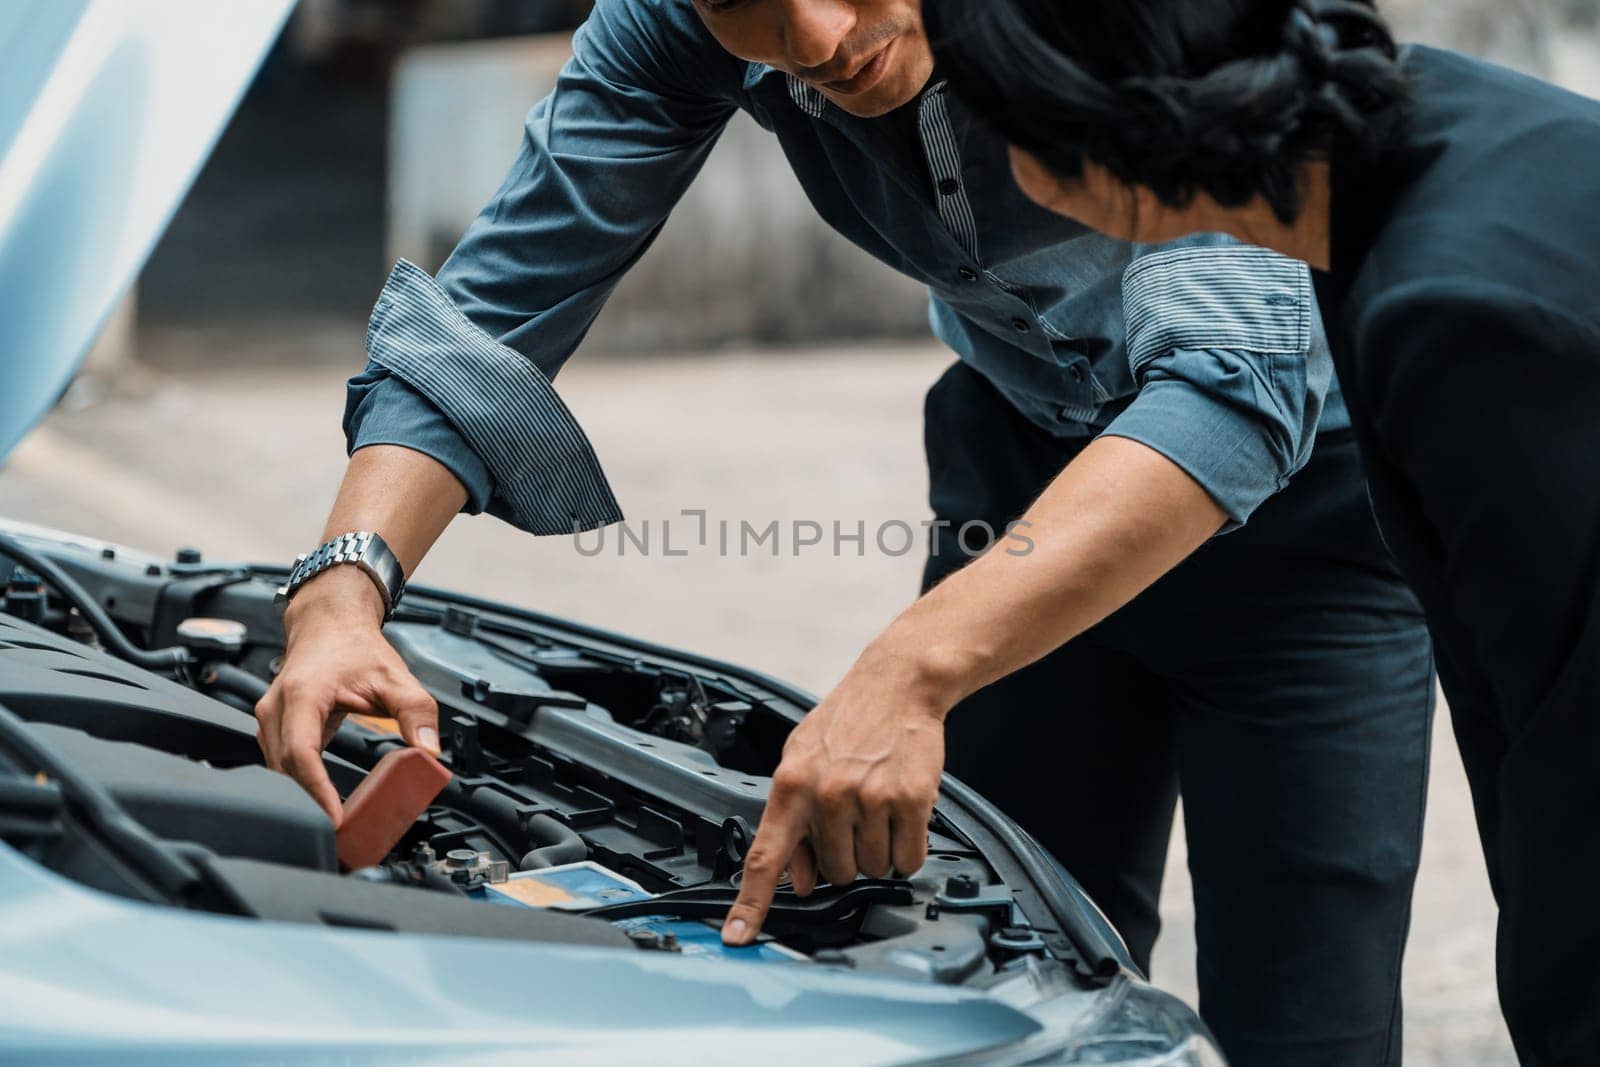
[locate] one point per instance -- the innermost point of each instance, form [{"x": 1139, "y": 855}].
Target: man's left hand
[{"x": 855, "y": 789}]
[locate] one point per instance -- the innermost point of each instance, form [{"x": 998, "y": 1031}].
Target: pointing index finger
[{"x": 776, "y": 839}]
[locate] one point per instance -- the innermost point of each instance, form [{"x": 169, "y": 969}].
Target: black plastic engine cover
[
  {"x": 45, "y": 677},
  {"x": 248, "y": 812},
  {"x": 48, "y": 678}
]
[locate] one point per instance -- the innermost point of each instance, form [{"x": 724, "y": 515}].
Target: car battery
[
  {"x": 568, "y": 887},
  {"x": 702, "y": 938},
  {"x": 585, "y": 885}
]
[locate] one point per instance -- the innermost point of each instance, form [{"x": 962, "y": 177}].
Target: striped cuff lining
[
  {"x": 541, "y": 460},
  {"x": 1231, "y": 297}
]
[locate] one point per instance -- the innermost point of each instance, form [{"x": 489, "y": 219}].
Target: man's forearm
[
  {"x": 1119, "y": 517},
  {"x": 336, "y": 659},
  {"x": 406, "y": 497}
]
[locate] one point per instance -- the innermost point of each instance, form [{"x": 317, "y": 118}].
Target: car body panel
[
  {"x": 83, "y": 973},
  {"x": 107, "y": 110}
]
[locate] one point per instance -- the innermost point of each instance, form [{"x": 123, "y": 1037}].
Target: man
[{"x": 1282, "y": 675}]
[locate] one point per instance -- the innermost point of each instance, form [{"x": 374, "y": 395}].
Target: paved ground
[{"x": 243, "y": 463}]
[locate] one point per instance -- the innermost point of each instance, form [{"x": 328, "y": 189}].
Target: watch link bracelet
[{"x": 366, "y": 550}]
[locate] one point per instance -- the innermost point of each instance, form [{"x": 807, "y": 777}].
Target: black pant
[
  {"x": 1282, "y": 678},
  {"x": 1490, "y": 498}
]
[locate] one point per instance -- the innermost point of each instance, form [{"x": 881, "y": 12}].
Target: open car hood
[
  {"x": 561, "y": 894},
  {"x": 107, "y": 110}
]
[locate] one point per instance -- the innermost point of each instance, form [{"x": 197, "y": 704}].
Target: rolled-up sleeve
[
  {"x": 1231, "y": 367},
  {"x": 380, "y": 409},
  {"x": 603, "y": 160}
]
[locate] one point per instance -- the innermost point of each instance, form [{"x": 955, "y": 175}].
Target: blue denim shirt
[{"x": 1208, "y": 351}]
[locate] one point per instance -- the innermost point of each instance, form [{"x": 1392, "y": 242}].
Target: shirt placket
[
  {"x": 939, "y": 147},
  {"x": 944, "y": 164},
  {"x": 942, "y": 159}
]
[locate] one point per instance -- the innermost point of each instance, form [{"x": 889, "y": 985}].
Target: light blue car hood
[
  {"x": 107, "y": 110},
  {"x": 89, "y": 978}
]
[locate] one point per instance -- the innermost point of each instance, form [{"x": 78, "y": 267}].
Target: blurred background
[{"x": 753, "y": 366}]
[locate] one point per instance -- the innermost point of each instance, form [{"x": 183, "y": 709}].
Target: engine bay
[{"x": 603, "y": 791}]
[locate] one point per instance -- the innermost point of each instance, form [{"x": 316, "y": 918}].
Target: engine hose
[
  {"x": 559, "y": 843},
  {"x": 498, "y": 812},
  {"x": 235, "y": 681},
  {"x": 104, "y": 627}
]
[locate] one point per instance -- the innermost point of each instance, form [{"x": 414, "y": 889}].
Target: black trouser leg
[
  {"x": 1285, "y": 674},
  {"x": 1303, "y": 683},
  {"x": 1548, "y": 864},
  {"x": 1011, "y": 740},
  {"x": 1534, "y": 768},
  {"x": 1491, "y": 501}
]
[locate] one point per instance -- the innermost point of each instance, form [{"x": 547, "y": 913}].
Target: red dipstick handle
[{"x": 382, "y": 808}]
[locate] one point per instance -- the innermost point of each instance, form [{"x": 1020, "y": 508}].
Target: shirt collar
[
  {"x": 755, "y": 72},
  {"x": 807, "y": 98}
]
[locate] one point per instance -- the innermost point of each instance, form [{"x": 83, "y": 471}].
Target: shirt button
[
  {"x": 949, "y": 187},
  {"x": 968, "y": 274},
  {"x": 1077, "y": 373},
  {"x": 1021, "y": 325}
]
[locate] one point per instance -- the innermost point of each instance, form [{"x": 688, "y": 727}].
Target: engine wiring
[{"x": 166, "y": 660}]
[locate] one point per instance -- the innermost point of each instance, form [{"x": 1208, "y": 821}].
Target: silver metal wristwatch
[{"x": 366, "y": 550}]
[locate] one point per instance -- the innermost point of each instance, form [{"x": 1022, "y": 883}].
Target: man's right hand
[{"x": 335, "y": 662}]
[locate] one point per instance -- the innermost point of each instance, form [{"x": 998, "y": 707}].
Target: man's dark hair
[{"x": 1229, "y": 97}]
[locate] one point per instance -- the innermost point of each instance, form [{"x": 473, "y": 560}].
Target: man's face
[{"x": 867, "y": 56}]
